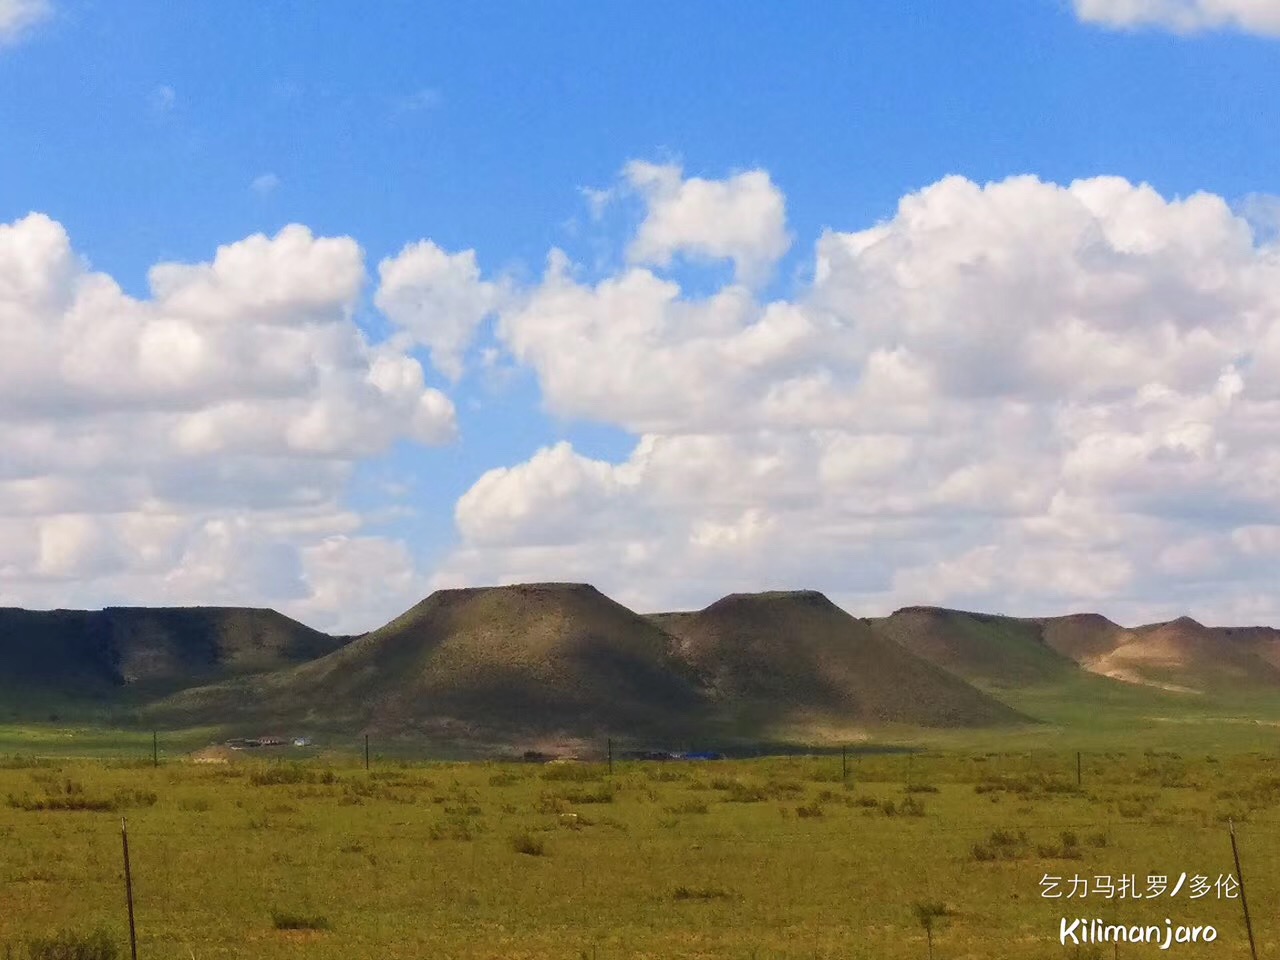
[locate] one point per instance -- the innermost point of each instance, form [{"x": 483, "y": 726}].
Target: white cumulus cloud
[
  {"x": 195, "y": 445},
  {"x": 437, "y": 297},
  {"x": 1184, "y": 16},
  {"x": 741, "y": 218},
  {"x": 1019, "y": 395}
]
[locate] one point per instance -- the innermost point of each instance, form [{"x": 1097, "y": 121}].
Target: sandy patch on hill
[{"x": 1128, "y": 676}]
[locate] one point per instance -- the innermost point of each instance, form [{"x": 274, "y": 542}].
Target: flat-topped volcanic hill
[
  {"x": 991, "y": 650},
  {"x": 547, "y": 658},
  {"x": 1016, "y": 653},
  {"x": 1180, "y": 654},
  {"x": 793, "y": 656},
  {"x": 561, "y": 659},
  {"x": 99, "y": 652}
]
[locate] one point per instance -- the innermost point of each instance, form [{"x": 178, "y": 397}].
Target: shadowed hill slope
[
  {"x": 795, "y": 656},
  {"x": 995, "y": 651},
  {"x": 97, "y": 652},
  {"x": 528, "y": 659}
]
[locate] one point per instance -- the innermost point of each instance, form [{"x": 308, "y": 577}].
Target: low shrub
[
  {"x": 71, "y": 796},
  {"x": 69, "y": 945},
  {"x": 601, "y": 794},
  {"x": 911, "y": 807},
  {"x": 285, "y": 920},
  {"x": 689, "y": 806},
  {"x": 526, "y": 843},
  {"x": 290, "y": 773},
  {"x": 572, "y": 772},
  {"x": 683, "y": 892},
  {"x": 1001, "y": 845}
]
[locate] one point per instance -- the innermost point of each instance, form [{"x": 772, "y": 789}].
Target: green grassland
[
  {"x": 766, "y": 858},
  {"x": 958, "y": 799}
]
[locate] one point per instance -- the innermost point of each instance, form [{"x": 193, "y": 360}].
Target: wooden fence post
[
  {"x": 128, "y": 889},
  {"x": 1244, "y": 903}
]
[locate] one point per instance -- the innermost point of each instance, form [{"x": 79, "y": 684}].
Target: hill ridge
[
  {"x": 563, "y": 656},
  {"x": 777, "y": 656},
  {"x": 550, "y": 658}
]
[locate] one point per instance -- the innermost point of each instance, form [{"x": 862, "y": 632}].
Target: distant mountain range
[{"x": 517, "y": 663}]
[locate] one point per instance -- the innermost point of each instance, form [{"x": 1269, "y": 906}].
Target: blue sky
[
  {"x": 402, "y": 120},
  {"x": 157, "y": 133}
]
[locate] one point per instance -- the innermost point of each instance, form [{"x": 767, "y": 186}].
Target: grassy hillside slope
[
  {"x": 1086, "y": 674},
  {"x": 795, "y": 657},
  {"x": 998, "y": 652},
  {"x": 519, "y": 660}
]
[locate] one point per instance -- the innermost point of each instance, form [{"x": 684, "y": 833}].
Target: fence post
[
  {"x": 366, "y": 751},
  {"x": 1244, "y": 903},
  {"x": 128, "y": 889},
  {"x": 844, "y": 762},
  {"x": 610, "y": 749},
  {"x": 155, "y": 748}
]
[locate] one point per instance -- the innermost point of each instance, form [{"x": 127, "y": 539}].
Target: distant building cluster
[
  {"x": 669, "y": 755},
  {"x": 253, "y": 743}
]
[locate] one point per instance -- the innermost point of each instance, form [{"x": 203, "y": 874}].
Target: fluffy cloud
[
  {"x": 357, "y": 574},
  {"x": 18, "y": 17},
  {"x": 438, "y": 298},
  {"x": 1022, "y": 395},
  {"x": 1018, "y": 396},
  {"x": 1184, "y": 16},
  {"x": 742, "y": 218},
  {"x": 193, "y": 446}
]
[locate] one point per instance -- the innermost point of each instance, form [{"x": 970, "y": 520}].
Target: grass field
[{"x": 761, "y": 858}]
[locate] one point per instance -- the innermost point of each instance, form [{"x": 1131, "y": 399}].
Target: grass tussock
[
  {"x": 291, "y": 773},
  {"x": 702, "y": 894},
  {"x": 70, "y": 795},
  {"x": 526, "y": 843},
  {"x": 604, "y": 793},
  {"x": 23, "y": 761},
  {"x": 1029, "y": 785},
  {"x": 1002, "y": 845},
  {"x": 809, "y": 811},
  {"x": 289, "y": 920},
  {"x": 690, "y": 806},
  {"x": 572, "y": 773},
  {"x": 68, "y": 945}
]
